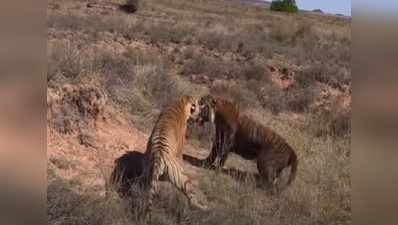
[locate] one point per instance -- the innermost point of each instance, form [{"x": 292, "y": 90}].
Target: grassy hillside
[{"x": 111, "y": 71}]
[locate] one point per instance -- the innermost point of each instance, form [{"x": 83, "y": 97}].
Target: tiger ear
[{"x": 188, "y": 99}]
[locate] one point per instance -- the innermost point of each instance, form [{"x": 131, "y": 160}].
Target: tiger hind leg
[
  {"x": 186, "y": 187},
  {"x": 152, "y": 182},
  {"x": 183, "y": 183},
  {"x": 270, "y": 166}
]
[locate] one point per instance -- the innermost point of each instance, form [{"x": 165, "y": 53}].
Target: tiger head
[
  {"x": 207, "y": 105},
  {"x": 191, "y": 107}
]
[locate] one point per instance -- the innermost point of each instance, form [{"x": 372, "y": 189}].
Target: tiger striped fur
[
  {"x": 165, "y": 146},
  {"x": 247, "y": 138}
]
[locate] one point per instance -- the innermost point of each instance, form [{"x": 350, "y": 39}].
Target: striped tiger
[
  {"x": 164, "y": 150},
  {"x": 247, "y": 138}
]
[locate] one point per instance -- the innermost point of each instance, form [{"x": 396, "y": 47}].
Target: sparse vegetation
[
  {"x": 290, "y": 72},
  {"x": 256, "y": 72},
  {"x": 62, "y": 163},
  {"x": 295, "y": 99},
  {"x": 65, "y": 62},
  {"x": 332, "y": 122},
  {"x": 298, "y": 99}
]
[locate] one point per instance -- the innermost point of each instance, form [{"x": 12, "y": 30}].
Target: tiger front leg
[
  {"x": 209, "y": 161},
  {"x": 151, "y": 182},
  {"x": 219, "y": 161},
  {"x": 212, "y": 160},
  {"x": 216, "y": 159},
  {"x": 219, "y": 148},
  {"x": 224, "y": 149}
]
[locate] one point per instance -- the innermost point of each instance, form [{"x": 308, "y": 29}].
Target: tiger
[
  {"x": 247, "y": 138},
  {"x": 164, "y": 149}
]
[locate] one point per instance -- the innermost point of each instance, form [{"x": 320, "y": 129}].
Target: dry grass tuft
[
  {"x": 332, "y": 122},
  {"x": 295, "y": 99}
]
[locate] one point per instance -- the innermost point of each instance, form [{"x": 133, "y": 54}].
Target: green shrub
[{"x": 284, "y": 6}]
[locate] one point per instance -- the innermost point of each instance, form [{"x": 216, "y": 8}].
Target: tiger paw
[{"x": 197, "y": 205}]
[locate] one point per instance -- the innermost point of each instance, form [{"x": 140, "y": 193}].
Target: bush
[
  {"x": 256, "y": 72},
  {"x": 112, "y": 66},
  {"x": 235, "y": 92},
  {"x": 331, "y": 122},
  {"x": 218, "y": 69},
  {"x": 331, "y": 75},
  {"x": 296, "y": 99},
  {"x": 199, "y": 64},
  {"x": 65, "y": 63},
  {"x": 284, "y": 6}
]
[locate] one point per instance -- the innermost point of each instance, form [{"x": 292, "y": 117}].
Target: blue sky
[
  {"x": 389, "y": 6},
  {"x": 328, "y": 6}
]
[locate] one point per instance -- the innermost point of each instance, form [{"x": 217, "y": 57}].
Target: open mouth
[
  {"x": 201, "y": 121},
  {"x": 190, "y": 120}
]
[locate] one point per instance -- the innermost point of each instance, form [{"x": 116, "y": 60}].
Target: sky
[
  {"x": 388, "y": 6},
  {"x": 327, "y": 6}
]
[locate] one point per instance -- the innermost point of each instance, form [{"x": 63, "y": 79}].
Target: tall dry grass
[{"x": 319, "y": 195}]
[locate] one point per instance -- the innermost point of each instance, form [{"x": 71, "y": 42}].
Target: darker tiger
[{"x": 247, "y": 138}]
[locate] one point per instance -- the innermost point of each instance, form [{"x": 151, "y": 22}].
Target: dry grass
[
  {"x": 62, "y": 163},
  {"x": 319, "y": 195},
  {"x": 295, "y": 99},
  {"x": 333, "y": 76},
  {"x": 65, "y": 62},
  {"x": 134, "y": 81},
  {"x": 233, "y": 91},
  {"x": 300, "y": 38},
  {"x": 333, "y": 122},
  {"x": 232, "y": 44},
  {"x": 256, "y": 72},
  {"x": 68, "y": 207}
]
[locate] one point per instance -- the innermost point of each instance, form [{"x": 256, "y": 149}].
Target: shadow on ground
[
  {"x": 129, "y": 168},
  {"x": 128, "y": 171},
  {"x": 238, "y": 175},
  {"x": 110, "y": 6}
]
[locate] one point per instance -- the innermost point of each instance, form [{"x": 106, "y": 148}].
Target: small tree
[{"x": 284, "y": 6}]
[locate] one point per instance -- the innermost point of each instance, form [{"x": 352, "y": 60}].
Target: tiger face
[
  {"x": 192, "y": 109},
  {"x": 207, "y": 106}
]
